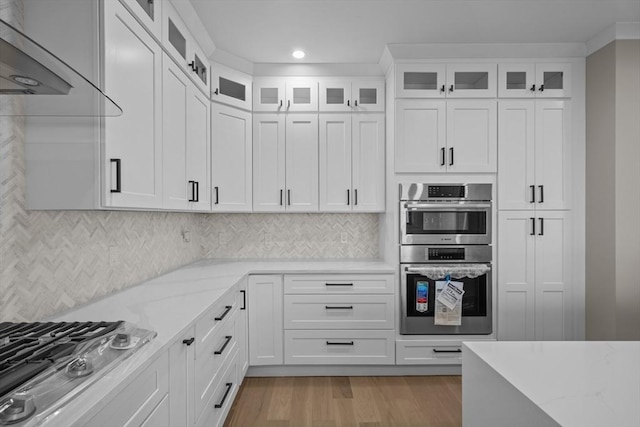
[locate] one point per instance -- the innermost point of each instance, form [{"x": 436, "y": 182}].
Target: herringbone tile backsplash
[{"x": 53, "y": 260}]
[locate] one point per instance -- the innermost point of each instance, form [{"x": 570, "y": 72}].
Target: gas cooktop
[{"x": 45, "y": 365}]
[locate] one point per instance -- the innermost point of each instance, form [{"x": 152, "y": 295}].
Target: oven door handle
[
  {"x": 456, "y": 206},
  {"x": 439, "y": 271}
]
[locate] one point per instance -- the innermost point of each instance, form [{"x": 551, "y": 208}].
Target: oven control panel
[
  {"x": 446, "y": 191},
  {"x": 445, "y": 254}
]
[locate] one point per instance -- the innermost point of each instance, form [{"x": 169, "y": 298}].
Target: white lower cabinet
[
  {"x": 181, "y": 360},
  {"x": 144, "y": 402},
  {"x": 534, "y": 275},
  {"x": 226, "y": 387},
  {"x": 265, "y": 320},
  {"x": 329, "y": 320},
  {"x": 421, "y": 352}
]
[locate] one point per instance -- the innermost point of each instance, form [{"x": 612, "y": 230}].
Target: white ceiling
[{"x": 356, "y": 31}]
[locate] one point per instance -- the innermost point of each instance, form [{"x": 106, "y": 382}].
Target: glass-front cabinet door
[
  {"x": 230, "y": 87},
  {"x": 149, "y": 12},
  {"x": 368, "y": 95},
  {"x": 268, "y": 95},
  {"x": 420, "y": 80},
  {"x": 471, "y": 80},
  {"x": 301, "y": 94},
  {"x": 335, "y": 95},
  {"x": 541, "y": 80}
]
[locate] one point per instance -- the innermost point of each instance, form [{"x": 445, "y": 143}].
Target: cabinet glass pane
[
  {"x": 268, "y": 95},
  {"x": 335, "y": 96},
  {"x": 177, "y": 40},
  {"x": 368, "y": 96},
  {"x": 232, "y": 89},
  {"x": 147, "y": 6},
  {"x": 201, "y": 70},
  {"x": 302, "y": 95},
  {"x": 516, "y": 80},
  {"x": 552, "y": 79},
  {"x": 420, "y": 81},
  {"x": 474, "y": 80}
]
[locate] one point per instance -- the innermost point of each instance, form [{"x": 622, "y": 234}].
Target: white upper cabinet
[
  {"x": 446, "y": 80},
  {"x": 268, "y": 162},
  {"x": 302, "y": 162},
  {"x": 185, "y": 142},
  {"x": 446, "y": 136},
  {"x": 231, "y": 161},
  {"x": 534, "y": 169},
  {"x": 183, "y": 48},
  {"x": 230, "y": 87},
  {"x": 132, "y": 142},
  {"x": 534, "y": 80},
  {"x": 283, "y": 95},
  {"x": 149, "y": 12},
  {"x": 345, "y": 95},
  {"x": 352, "y": 162}
]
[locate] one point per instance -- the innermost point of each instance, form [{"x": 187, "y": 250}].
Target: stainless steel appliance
[
  {"x": 44, "y": 365},
  {"x": 445, "y": 231},
  {"x": 443, "y": 214}
]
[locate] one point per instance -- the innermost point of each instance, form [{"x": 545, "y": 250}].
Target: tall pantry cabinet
[{"x": 534, "y": 200}]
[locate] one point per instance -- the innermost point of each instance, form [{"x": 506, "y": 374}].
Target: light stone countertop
[
  {"x": 576, "y": 383},
  {"x": 168, "y": 304}
]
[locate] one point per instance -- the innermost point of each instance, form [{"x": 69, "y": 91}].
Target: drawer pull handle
[
  {"x": 339, "y": 343},
  {"x": 226, "y": 343},
  {"x": 457, "y": 350},
  {"x": 336, "y": 307},
  {"x": 223, "y": 315},
  {"x": 244, "y": 299},
  {"x": 188, "y": 342},
  {"x": 226, "y": 393},
  {"x": 338, "y": 284}
]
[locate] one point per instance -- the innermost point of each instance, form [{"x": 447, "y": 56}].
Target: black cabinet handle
[
  {"x": 356, "y": 102},
  {"x": 541, "y": 187},
  {"x": 193, "y": 191},
  {"x": 541, "y": 88},
  {"x": 197, "y": 191},
  {"x": 215, "y": 92},
  {"x": 188, "y": 342},
  {"x": 442, "y": 89},
  {"x": 217, "y": 195},
  {"x": 118, "y": 163},
  {"x": 451, "y": 156},
  {"x": 337, "y": 307},
  {"x": 348, "y": 198},
  {"x": 442, "y": 156},
  {"x": 541, "y": 233},
  {"x": 338, "y": 284},
  {"x": 339, "y": 343},
  {"x": 533, "y": 227},
  {"x": 226, "y": 393},
  {"x": 244, "y": 299},
  {"x": 533, "y": 194},
  {"x": 224, "y": 314},
  {"x": 281, "y": 191},
  {"x": 288, "y": 104},
  {"x": 281, "y": 103},
  {"x": 451, "y": 88},
  {"x": 226, "y": 343},
  {"x": 289, "y": 197},
  {"x": 533, "y": 88},
  {"x": 348, "y": 103},
  {"x": 355, "y": 197},
  {"x": 457, "y": 350},
  {"x": 193, "y": 66}
]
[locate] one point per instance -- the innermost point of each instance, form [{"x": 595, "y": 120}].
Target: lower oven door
[{"x": 418, "y": 315}]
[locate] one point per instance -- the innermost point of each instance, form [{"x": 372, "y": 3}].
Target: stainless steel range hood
[{"x": 51, "y": 87}]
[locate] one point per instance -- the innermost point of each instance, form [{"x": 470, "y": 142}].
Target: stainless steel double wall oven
[{"x": 445, "y": 229}]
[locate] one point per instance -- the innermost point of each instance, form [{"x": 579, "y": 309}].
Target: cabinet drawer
[
  {"x": 145, "y": 397},
  {"x": 338, "y": 312},
  {"x": 338, "y": 284},
  {"x": 210, "y": 362},
  {"x": 433, "y": 353},
  {"x": 339, "y": 347},
  {"x": 214, "y": 319},
  {"x": 225, "y": 388}
]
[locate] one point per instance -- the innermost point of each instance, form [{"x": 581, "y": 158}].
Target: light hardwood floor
[{"x": 429, "y": 401}]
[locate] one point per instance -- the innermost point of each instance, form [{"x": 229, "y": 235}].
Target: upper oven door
[{"x": 445, "y": 223}]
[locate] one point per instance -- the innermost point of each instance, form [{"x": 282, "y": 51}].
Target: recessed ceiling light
[{"x": 298, "y": 54}]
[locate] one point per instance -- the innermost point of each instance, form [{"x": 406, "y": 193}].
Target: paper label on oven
[
  {"x": 444, "y": 316},
  {"x": 451, "y": 294}
]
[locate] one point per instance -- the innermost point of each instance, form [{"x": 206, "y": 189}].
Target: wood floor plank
[{"x": 428, "y": 401}]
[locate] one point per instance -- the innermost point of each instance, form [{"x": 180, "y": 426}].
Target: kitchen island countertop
[{"x": 538, "y": 383}]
